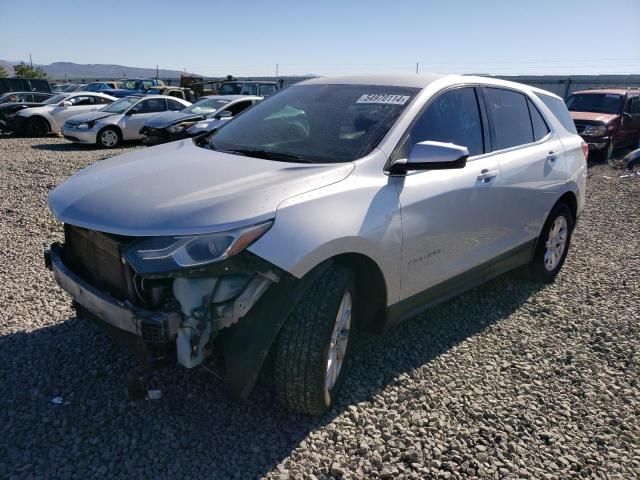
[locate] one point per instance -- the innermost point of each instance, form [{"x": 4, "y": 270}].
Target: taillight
[{"x": 585, "y": 150}]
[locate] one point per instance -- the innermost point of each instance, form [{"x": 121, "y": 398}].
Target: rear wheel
[
  {"x": 553, "y": 245},
  {"x": 109, "y": 137},
  {"x": 37, "y": 127},
  {"x": 313, "y": 345}
]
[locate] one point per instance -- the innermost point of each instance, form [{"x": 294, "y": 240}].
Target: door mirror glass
[
  {"x": 224, "y": 114},
  {"x": 430, "y": 155},
  {"x": 66, "y": 103}
]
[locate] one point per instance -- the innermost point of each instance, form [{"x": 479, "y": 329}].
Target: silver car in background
[
  {"x": 338, "y": 204},
  {"x": 120, "y": 121}
]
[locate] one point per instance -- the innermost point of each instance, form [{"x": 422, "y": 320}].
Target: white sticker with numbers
[{"x": 383, "y": 99}]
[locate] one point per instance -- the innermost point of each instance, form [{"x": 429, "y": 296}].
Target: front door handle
[
  {"x": 486, "y": 175},
  {"x": 552, "y": 156}
]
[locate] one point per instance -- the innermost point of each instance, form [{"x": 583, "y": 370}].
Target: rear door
[
  {"x": 452, "y": 220},
  {"x": 79, "y": 104},
  {"x": 532, "y": 161}
]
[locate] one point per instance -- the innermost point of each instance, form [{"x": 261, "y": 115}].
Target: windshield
[
  {"x": 56, "y": 99},
  {"x": 205, "y": 107},
  {"x": 119, "y": 106},
  {"x": 315, "y": 123},
  {"x": 595, "y": 102},
  {"x": 70, "y": 88}
]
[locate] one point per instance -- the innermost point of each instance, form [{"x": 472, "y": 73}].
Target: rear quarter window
[{"x": 559, "y": 109}]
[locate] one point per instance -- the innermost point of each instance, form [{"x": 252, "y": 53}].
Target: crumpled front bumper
[{"x": 121, "y": 319}]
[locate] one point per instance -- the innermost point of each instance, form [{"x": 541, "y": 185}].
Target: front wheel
[
  {"x": 553, "y": 245},
  {"x": 313, "y": 345},
  {"x": 37, "y": 127},
  {"x": 109, "y": 137}
]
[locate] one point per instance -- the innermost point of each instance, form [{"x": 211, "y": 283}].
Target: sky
[{"x": 251, "y": 37}]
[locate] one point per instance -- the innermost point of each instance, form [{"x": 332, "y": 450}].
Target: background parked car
[
  {"x": 9, "y": 109},
  {"x": 22, "y": 97},
  {"x": 215, "y": 109},
  {"x": 178, "y": 92},
  {"x": 38, "y": 121},
  {"x": 248, "y": 87},
  {"x": 133, "y": 85},
  {"x": 99, "y": 86},
  {"x": 607, "y": 119},
  {"x": 122, "y": 120},
  {"x": 24, "y": 85}
]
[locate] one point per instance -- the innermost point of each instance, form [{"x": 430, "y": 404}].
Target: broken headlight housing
[
  {"x": 166, "y": 254},
  {"x": 178, "y": 127}
]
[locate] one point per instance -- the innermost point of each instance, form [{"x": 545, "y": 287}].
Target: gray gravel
[{"x": 511, "y": 380}]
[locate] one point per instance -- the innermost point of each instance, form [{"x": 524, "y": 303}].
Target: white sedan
[
  {"x": 122, "y": 120},
  {"x": 38, "y": 121}
]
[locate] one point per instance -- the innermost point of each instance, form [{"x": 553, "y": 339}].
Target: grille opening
[{"x": 96, "y": 258}]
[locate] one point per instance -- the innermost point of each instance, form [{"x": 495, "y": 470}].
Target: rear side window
[
  {"x": 266, "y": 90},
  {"x": 559, "y": 109},
  {"x": 452, "y": 117},
  {"x": 175, "y": 106},
  {"x": 510, "y": 114},
  {"x": 540, "y": 128}
]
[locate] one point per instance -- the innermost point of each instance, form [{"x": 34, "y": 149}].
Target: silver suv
[{"x": 336, "y": 205}]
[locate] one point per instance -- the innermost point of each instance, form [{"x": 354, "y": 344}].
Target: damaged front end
[{"x": 167, "y": 297}]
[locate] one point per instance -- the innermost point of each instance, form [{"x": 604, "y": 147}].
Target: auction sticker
[{"x": 383, "y": 99}]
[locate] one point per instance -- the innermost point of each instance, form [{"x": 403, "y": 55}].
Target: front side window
[
  {"x": 315, "y": 123},
  {"x": 175, "y": 106},
  {"x": 634, "y": 107},
  {"x": 81, "y": 100},
  {"x": 266, "y": 90},
  {"x": 453, "y": 117},
  {"x": 511, "y": 120},
  {"x": 233, "y": 88},
  {"x": 236, "y": 108},
  {"x": 250, "y": 89},
  {"x": 151, "y": 105},
  {"x": 595, "y": 102}
]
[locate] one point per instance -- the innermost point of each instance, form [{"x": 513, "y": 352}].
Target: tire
[
  {"x": 606, "y": 153},
  {"x": 109, "y": 137},
  {"x": 303, "y": 348},
  {"x": 37, "y": 127},
  {"x": 547, "y": 260}
]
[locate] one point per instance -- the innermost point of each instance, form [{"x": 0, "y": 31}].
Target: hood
[
  {"x": 37, "y": 109},
  {"x": 594, "y": 116},
  {"x": 179, "y": 188},
  {"x": 89, "y": 117},
  {"x": 165, "y": 119}
]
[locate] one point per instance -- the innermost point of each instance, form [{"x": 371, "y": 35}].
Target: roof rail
[{"x": 616, "y": 87}]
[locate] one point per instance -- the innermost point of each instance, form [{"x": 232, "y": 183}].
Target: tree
[
  {"x": 27, "y": 71},
  {"x": 3, "y": 73}
]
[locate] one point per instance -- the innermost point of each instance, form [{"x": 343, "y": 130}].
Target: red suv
[{"x": 607, "y": 118}]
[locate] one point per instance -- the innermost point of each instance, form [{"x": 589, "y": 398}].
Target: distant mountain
[
  {"x": 88, "y": 72},
  {"x": 8, "y": 67}
]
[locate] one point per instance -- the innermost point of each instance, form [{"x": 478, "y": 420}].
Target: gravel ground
[{"x": 511, "y": 380}]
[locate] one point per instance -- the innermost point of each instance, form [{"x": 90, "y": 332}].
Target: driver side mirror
[
  {"x": 66, "y": 103},
  {"x": 431, "y": 155},
  {"x": 224, "y": 114},
  {"x": 626, "y": 117}
]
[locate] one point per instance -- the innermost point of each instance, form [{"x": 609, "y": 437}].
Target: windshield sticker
[{"x": 383, "y": 99}]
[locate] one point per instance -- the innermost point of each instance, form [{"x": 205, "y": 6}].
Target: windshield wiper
[{"x": 269, "y": 155}]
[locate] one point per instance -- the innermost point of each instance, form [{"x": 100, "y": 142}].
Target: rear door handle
[
  {"x": 486, "y": 175},
  {"x": 552, "y": 156}
]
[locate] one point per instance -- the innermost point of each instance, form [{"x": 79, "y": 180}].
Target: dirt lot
[{"x": 511, "y": 380}]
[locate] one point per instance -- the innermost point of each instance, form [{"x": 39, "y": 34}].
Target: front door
[
  {"x": 451, "y": 219},
  {"x": 137, "y": 116}
]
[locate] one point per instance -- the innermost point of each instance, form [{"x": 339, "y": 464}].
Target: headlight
[
  {"x": 177, "y": 128},
  {"x": 165, "y": 254},
  {"x": 202, "y": 124},
  {"x": 84, "y": 125},
  {"x": 594, "y": 130}
]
